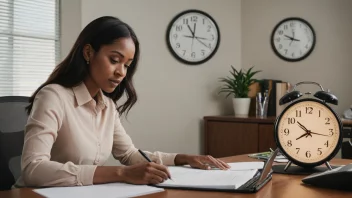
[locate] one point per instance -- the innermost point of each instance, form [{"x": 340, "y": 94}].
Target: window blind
[{"x": 29, "y": 44}]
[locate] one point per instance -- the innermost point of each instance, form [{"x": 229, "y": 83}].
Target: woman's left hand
[{"x": 205, "y": 162}]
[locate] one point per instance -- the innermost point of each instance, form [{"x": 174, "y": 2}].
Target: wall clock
[
  {"x": 293, "y": 39},
  {"x": 308, "y": 132},
  {"x": 193, "y": 37}
]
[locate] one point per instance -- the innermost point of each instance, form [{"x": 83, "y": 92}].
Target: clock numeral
[
  {"x": 178, "y": 28},
  {"x": 298, "y": 150},
  {"x": 285, "y": 27},
  {"x": 289, "y": 143},
  {"x": 193, "y": 54},
  {"x": 331, "y": 132},
  {"x": 280, "y": 46},
  {"x": 291, "y": 120},
  {"x": 327, "y": 120},
  {"x": 293, "y": 54},
  {"x": 194, "y": 19},
  {"x": 278, "y": 39},
  {"x": 307, "y": 46},
  {"x": 308, "y": 155},
  {"x": 286, "y": 132},
  {"x": 327, "y": 143},
  {"x": 309, "y": 110},
  {"x": 286, "y": 50},
  {"x": 178, "y": 45},
  {"x": 184, "y": 52},
  {"x": 319, "y": 151},
  {"x": 203, "y": 21},
  {"x": 175, "y": 36},
  {"x": 202, "y": 52},
  {"x": 185, "y": 21},
  {"x": 292, "y": 24},
  {"x": 212, "y": 37},
  {"x": 209, "y": 27},
  {"x": 298, "y": 113},
  {"x": 209, "y": 45},
  {"x": 281, "y": 32},
  {"x": 300, "y": 52}
]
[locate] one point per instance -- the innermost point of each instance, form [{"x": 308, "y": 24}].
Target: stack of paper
[
  {"x": 236, "y": 176},
  {"x": 113, "y": 190}
]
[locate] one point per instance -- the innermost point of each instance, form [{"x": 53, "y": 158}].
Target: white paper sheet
[
  {"x": 233, "y": 178},
  {"x": 246, "y": 165},
  {"x": 113, "y": 190}
]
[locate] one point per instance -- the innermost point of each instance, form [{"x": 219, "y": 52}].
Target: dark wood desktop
[{"x": 287, "y": 186}]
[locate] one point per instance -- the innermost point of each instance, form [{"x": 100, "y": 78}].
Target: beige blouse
[{"x": 68, "y": 135}]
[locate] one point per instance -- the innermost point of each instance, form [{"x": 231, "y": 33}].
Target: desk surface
[{"x": 280, "y": 186}]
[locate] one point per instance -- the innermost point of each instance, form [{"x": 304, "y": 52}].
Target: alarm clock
[{"x": 308, "y": 131}]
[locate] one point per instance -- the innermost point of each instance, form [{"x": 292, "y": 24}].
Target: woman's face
[{"x": 109, "y": 65}]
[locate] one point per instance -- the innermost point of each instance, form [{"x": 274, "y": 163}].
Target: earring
[{"x": 87, "y": 62}]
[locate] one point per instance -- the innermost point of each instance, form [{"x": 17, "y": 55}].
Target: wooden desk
[{"x": 281, "y": 186}]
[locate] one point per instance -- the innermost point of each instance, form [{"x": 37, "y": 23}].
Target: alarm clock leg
[
  {"x": 287, "y": 165},
  {"x": 328, "y": 165}
]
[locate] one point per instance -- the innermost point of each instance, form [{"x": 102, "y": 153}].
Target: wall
[
  {"x": 330, "y": 62},
  {"x": 70, "y": 13},
  {"x": 173, "y": 97}
]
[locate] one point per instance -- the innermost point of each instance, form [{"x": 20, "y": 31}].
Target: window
[{"x": 29, "y": 44}]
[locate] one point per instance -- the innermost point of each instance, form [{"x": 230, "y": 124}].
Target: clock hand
[
  {"x": 303, "y": 127},
  {"x": 188, "y": 36},
  {"x": 288, "y": 37},
  {"x": 202, "y": 43},
  {"x": 318, "y": 134},
  {"x": 190, "y": 30},
  {"x": 194, "y": 29},
  {"x": 306, "y": 134},
  {"x": 203, "y": 38},
  {"x": 295, "y": 39}
]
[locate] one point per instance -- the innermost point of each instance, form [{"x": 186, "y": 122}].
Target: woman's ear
[{"x": 88, "y": 53}]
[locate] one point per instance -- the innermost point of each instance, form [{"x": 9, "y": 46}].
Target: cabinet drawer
[
  {"x": 230, "y": 138},
  {"x": 266, "y": 137}
]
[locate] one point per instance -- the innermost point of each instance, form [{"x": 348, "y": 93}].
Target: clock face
[
  {"x": 193, "y": 37},
  {"x": 293, "y": 39},
  {"x": 308, "y": 132}
]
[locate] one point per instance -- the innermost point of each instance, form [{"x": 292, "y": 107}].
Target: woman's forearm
[{"x": 107, "y": 174}]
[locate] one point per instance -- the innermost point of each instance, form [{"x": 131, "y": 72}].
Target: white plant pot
[{"x": 241, "y": 106}]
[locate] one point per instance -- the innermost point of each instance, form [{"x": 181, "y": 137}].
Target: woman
[{"x": 74, "y": 124}]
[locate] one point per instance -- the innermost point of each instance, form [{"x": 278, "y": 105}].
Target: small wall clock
[
  {"x": 293, "y": 39},
  {"x": 308, "y": 132},
  {"x": 193, "y": 37}
]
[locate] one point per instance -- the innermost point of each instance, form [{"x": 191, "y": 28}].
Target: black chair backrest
[{"x": 13, "y": 119}]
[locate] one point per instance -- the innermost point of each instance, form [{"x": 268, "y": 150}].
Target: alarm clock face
[{"x": 308, "y": 132}]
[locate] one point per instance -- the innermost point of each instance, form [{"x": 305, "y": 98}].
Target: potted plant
[{"x": 238, "y": 86}]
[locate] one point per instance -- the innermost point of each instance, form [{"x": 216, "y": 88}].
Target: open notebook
[{"x": 236, "y": 180}]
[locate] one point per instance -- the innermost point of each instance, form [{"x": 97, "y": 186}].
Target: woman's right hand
[{"x": 144, "y": 173}]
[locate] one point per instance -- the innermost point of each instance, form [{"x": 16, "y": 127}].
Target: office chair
[{"x": 13, "y": 119}]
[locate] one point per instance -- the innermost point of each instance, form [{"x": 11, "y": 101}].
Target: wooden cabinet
[{"x": 229, "y": 135}]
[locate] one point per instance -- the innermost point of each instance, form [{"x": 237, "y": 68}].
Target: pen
[
  {"x": 147, "y": 158},
  {"x": 144, "y": 155}
]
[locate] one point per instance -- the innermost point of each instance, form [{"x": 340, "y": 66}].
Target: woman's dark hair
[{"x": 73, "y": 69}]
